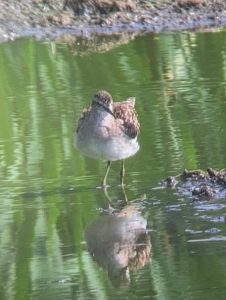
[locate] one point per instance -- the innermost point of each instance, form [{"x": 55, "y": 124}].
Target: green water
[{"x": 48, "y": 194}]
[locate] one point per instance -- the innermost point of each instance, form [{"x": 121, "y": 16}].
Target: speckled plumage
[
  {"x": 108, "y": 130},
  {"x": 124, "y": 111}
]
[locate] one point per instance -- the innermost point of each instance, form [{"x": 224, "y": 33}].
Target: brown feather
[{"x": 126, "y": 112}]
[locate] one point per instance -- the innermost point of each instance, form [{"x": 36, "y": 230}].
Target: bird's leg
[
  {"x": 111, "y": 209},
  {"x": 106, "y": 173},
  {"x": 122, "y": 173},
  {"x": 124, "y": 194}
]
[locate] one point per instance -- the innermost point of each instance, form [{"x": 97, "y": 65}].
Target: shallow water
[{"x": 48, "y": 195}]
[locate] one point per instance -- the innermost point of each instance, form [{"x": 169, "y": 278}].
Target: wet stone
[
  {"x": 204, "y": 191},
  {"x": 198, "y": 184}
]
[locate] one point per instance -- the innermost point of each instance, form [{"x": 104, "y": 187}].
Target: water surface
[{"x": 48, "y": 194}]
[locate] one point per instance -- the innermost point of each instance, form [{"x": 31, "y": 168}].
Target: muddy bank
[{"x": 54, "y": 19}]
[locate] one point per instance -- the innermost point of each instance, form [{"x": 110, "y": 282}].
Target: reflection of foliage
[
  {"x": 85, "y": 46},
  {"x": 181, "y": 107}
]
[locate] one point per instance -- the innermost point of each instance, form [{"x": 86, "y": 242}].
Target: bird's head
[{"x": 103, "y": 100}]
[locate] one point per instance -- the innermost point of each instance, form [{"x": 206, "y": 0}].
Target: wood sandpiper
[{"x": 108, "y": 131}]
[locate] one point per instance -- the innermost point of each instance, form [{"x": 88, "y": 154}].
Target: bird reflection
[{"x": 119, "y": 243}]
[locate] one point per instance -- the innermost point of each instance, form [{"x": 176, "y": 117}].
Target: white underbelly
[{"x": 109, "y": 149}]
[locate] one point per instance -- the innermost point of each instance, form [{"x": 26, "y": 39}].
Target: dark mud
[
  {"x": 198, "y": 184},
  {"x": 88, "y": 19}
]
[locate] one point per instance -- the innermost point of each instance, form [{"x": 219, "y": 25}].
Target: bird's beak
[
  {"x": 105, "y": 108},
  {"x": 109, "y": 111}
]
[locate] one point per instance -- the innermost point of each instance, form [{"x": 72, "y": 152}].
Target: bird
[{"x": 108, "y": 131}]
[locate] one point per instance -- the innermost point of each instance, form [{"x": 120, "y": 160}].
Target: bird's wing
[
  {"x": 85, "y": 114},
  {"x": 127, "y": 113}
]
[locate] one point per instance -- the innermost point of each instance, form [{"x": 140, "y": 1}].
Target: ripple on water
[
  {"x": 209, "y": 231},
  {"x": 210, "y": 239},
  {"x": 212, "y": 230},
  {"x": 214, "y": 219},
  {"x": 210, "y": 207},
  {"x": 193, "y": 232},
  {"x": 205, "y": 231},
  {"x": 175, "y": 207}
]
